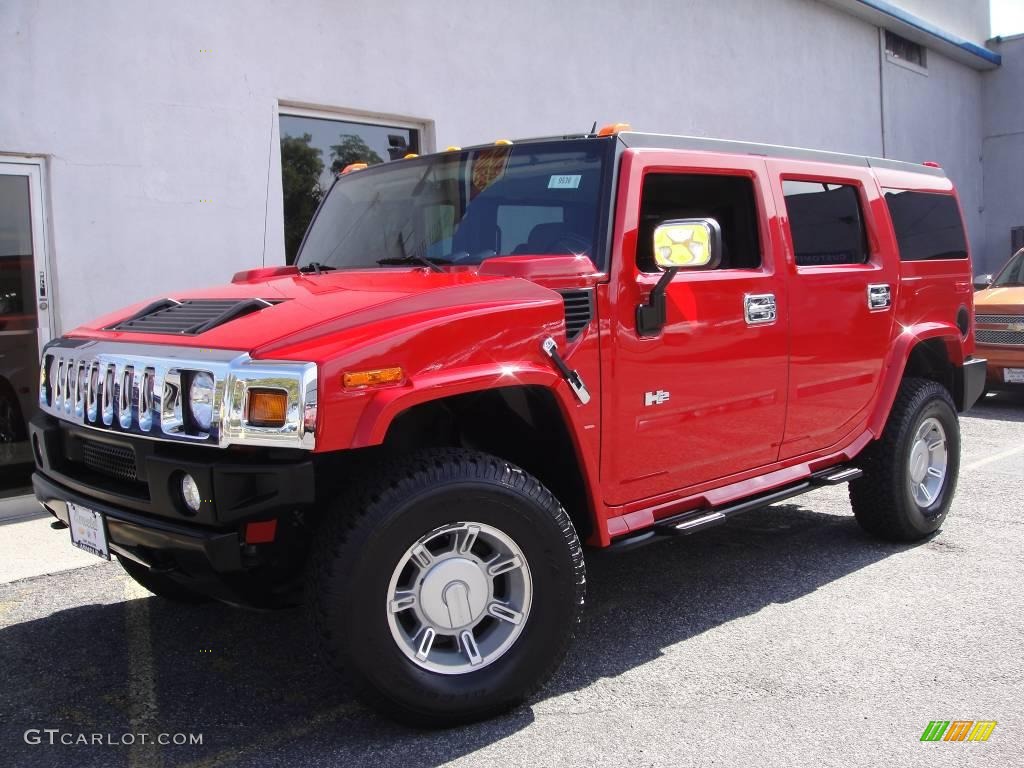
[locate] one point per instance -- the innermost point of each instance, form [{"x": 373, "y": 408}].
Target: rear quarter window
[{"x": 927, "y": 224}]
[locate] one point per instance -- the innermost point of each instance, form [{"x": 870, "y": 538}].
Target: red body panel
[{"x": 751, "y": 408}]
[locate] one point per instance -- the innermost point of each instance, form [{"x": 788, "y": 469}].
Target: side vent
[
  {"x": 189, "y": 317},
  {"x": 579, "y": 310}
]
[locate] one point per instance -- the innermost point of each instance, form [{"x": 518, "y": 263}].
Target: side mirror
[
  {"x": 981, "y": 282},
  {"x": 688, "y": 244},
  {"x": 678, "y": 244}
]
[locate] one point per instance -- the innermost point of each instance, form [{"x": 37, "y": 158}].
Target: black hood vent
[
  {"x": 579, "y": 310},
  {"x": 189, "y": 317}
]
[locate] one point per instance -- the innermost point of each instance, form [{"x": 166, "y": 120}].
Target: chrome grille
[
  {"x": 142, "y": 390},
  {"x": 111, "y": 460},
  {"x": 1011, "y": 338},
  {"x": 999, "y": 319}
]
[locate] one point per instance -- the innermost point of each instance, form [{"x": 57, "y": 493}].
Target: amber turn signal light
[
  {"x": 267, "y": 407},
  {"x": 372, "y": 378}
]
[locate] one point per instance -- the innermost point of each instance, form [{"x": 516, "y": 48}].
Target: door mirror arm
[{"x": 650, "y": 317}]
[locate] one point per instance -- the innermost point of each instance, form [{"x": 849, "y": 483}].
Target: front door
[
  {"x": 25, "y": 310},
  {"x": 705, "y": 398}
]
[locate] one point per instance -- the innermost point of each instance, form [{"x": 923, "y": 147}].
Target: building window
[
  {"x": 315, "y": 149},
  {"x": 826, "y": 223},
  {"x": 905, "y": 51}
]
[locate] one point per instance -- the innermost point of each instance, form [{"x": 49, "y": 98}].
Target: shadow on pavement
[
  {"x": 999, "y": 406},
  {"x": 251, "y": 685}
]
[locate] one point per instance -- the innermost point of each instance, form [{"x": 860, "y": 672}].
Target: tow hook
[{"x": 571, "y": 377}]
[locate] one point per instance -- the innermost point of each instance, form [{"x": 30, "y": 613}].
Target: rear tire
[
  {"x": 499, "y": 614},
  {"x": 160, "y": 584},
  {"x": 901, "y": 496}
]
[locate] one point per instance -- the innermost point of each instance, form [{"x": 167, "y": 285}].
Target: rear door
[
  {"x": 842, "y": 292},
  {"x": 705, "y": 398}
]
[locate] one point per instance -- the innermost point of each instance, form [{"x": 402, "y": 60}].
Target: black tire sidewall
[
  {"x": 362, "y": 626},
  {"x": 928, "y": 519}
]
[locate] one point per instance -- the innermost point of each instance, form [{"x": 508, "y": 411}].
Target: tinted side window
[
  {"x": 826, "y": 224},
  {"x": 927, "y": 225},
  {"x": 727, "y": 199}
]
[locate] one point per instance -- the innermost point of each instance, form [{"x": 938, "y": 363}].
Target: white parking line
[
  {"x": 142, "y": 706},
  {"x": 994, "y": 458}
]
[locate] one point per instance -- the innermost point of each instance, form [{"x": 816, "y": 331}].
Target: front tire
[
  {"x": 447, "y": 588},
  {"x": 910, "y": 473}
]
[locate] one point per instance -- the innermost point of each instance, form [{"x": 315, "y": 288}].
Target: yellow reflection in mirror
[{"x": 682, "y": 245}]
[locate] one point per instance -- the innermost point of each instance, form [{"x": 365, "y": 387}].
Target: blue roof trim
[{"x": 914, "y": 21}]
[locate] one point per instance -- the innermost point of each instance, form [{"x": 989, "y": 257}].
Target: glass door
[{"x": 25, "y": 311}]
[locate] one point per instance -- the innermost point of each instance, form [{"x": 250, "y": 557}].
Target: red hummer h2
[{"x": 485, "y": 357}]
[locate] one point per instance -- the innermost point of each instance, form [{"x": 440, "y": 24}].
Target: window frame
[
  {"x": 935, "y": 193},
  {"x": 867, "y": 221},
  {"x": 764, "y": 239},
  {"x": 892, "y": 58}
]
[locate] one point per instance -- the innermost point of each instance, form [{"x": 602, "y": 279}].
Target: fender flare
[
  {"x": 896, "y": 365},
  {"x": 387, "y": 404}
]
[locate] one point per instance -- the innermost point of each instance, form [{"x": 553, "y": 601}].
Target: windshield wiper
[
  {"x": 316, "y": 266},
  {"x": 408, "y": 258},
  {"x": 411, "y": 258}
]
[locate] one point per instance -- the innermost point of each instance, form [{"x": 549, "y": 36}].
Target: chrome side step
[{"x": 695, "y": 520}]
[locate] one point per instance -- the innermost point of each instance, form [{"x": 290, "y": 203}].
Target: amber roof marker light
[{"x": 613, "y": 128}]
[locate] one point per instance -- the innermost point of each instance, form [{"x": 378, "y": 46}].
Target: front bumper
[
  {"x": 1000, "y": 358},
  {"x": 147, "y": 521}
]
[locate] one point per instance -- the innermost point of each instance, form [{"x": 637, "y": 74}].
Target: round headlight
[
  {"x": 190, "y": 493},
  {"x": 200, "y": 398}
]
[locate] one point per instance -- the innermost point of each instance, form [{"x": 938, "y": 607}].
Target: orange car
[{"x": 999, "y": 325}]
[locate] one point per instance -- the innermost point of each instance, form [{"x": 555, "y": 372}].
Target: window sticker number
[{"x": 565, "y": 182}]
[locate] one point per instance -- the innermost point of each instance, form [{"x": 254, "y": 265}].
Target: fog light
[{"x": 190, "y": 493}]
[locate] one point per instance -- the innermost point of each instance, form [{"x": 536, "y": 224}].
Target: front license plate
[
  {"x": 88, "y": 530},
  {"x": 1013, "y": 375}
]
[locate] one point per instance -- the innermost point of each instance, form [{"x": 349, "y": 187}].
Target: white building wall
[
  {"x": 1003, "y": 152},
  {"x": 938, "y": 116},
  {"x": 160, "y": 120}
]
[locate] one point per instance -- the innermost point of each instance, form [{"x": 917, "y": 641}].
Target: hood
[
  {"x": 296, "y": 307},
  {"x": 1008, "y": 300}
]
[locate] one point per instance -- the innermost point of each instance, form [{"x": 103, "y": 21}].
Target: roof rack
[{"x": 668, "y": 141}]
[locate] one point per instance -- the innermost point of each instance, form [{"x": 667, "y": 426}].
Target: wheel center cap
[
  {"x": 454, "y": 593},
  {"x": 919, "y": 461}
]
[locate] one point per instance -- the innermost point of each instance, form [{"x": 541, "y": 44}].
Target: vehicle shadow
[
  {"x": 250, "y": 684},
  {"x": 999, "y": 406}
]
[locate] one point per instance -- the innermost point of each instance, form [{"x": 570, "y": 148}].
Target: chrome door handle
[
  {"x": 759, "y": 308},
  {"x": 879, "y": 296}
]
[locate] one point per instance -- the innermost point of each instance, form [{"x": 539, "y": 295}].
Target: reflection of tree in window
[
  {"x": 352, "y": 149},
  {"x": 301, "y": 166}
]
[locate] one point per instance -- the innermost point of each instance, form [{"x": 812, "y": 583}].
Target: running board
[{"x": 695, "y": 520}]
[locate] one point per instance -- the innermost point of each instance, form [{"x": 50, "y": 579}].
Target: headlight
[{"x": 200, "y": 399}]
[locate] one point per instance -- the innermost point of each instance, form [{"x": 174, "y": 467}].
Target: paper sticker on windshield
[{"x": 564, "y": 182}]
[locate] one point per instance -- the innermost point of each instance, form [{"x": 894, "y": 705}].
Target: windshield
[
  {"x": 463, "y": 207},
  {"x": 1013, "y": 272}
]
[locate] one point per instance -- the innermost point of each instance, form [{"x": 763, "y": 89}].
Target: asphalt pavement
[{"x": 786, "y": 637}]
